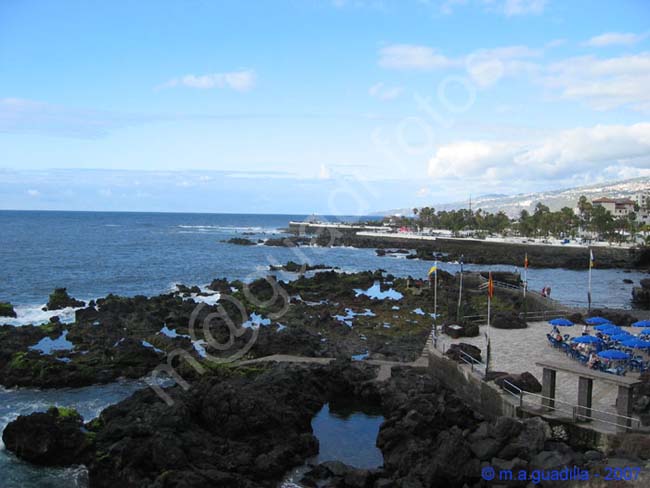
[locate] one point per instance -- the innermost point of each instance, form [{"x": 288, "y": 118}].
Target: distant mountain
[{"x": 556, "y": 199}]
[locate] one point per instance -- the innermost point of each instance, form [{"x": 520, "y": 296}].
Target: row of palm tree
[{"x": 542, "y": 222}]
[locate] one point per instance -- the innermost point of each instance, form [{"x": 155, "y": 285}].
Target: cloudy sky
[{"x": 326, "y": 106}]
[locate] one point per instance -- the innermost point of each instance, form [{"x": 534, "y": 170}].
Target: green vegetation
[
  {"x": 19, "y": 361},
  {"x": 542, "y": 222},
  {"x": 7, "y": 310},
  {"x": 64, "y": 412},
  {"x": 459, "y": 220}
]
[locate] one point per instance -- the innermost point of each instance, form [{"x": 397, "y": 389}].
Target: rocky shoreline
[
  {"x": 235, "y": 425},
  {"x": 243, "y": 427},
  {"x": 327, "y": 315}
]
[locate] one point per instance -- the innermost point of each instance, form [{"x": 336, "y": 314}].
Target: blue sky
[{"x": 344, "y": 106}]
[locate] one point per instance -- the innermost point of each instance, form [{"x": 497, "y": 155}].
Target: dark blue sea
[{"x": 93, "y": 254}]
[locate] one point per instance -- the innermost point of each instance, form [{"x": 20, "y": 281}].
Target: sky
[{"x": 316, "y": 106}]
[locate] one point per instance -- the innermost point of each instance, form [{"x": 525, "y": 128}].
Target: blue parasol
[
  {"x": 602, "y": 327},
  {"x": 561, "y": 322},
  {"x": 613, "y": 354},
  {"x": 636, "y": 343},
  {"x": 621, "y": 337},
  {"x": 597, "y": 321},
  {"x": 586, "y": 340},
  {"x": 645, "y": 331},
  {"x": 612, "y": 330},
  {"x": 641, "y": 323}
]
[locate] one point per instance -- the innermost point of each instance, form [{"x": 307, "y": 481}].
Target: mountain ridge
[{"x": 512, "y": 205}]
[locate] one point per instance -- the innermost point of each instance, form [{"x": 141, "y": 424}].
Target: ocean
[{"x": 93, "y": 254}]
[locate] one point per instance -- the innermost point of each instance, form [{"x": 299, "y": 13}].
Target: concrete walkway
[{"x": 385, "y": 367}]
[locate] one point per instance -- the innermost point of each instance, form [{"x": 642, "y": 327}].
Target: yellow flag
[{"x": 433, "y": 269}]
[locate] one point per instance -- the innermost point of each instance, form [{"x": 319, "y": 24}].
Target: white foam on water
[
  {"x": 232, "y": 229},
  {"x": 34, "y": 315},
  {"x": 207, "y": 299}
]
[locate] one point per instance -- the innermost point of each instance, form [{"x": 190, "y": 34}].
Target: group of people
[{"x": 594, "y": 361}]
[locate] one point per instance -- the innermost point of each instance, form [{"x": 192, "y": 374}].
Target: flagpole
[
  {"x": 435, "y": 299},
  {"x": 490, "y": 290},
  {"x": 591, "y": 265},
  {"x": 525, "y": 284},
  {"x": 460, "y": 290}
]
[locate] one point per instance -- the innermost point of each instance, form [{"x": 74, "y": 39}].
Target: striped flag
[
  {"x": 490, "y": 287},
  {"x": 591, "y": 259}
]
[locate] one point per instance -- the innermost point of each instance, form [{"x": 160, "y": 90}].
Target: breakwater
[{"x": 480, "y": 251}]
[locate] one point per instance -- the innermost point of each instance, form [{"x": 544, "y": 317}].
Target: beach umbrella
[
  {"x": 586, "y": 340},
  {"x": 645, "y": 331},
  {"x": 561, "y": 322},
  {"x": 621, "y": 337},
  {"x": 602, "y": 327},
  {"x": 636, "y": 343},
  {"x": 597, "y": 321},
  {"x": 612, "y": 330},
  {"x": 613, "y": 354},
  {"x": 641, "y": 323}
]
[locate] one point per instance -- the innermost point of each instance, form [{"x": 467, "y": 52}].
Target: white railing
[{"x": 576, "y": 412}]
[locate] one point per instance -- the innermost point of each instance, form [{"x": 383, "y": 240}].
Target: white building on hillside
[
  {"x": 643, "y": 201},
  {"x": 618, "y": 207}
]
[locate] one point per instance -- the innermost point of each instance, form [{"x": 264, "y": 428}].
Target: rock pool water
[
  {"x": 347, "y": 433},
  {"x": 89, "y": 401}
]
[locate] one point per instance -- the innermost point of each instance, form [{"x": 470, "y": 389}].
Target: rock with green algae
[
  {"x": 7, "y": 310},
  {"x": 59, "y": 299}
]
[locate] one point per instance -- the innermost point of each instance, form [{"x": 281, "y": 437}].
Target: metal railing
[
  {"x": 532, "y": 316},
  {"x": 576, "y": 412}
]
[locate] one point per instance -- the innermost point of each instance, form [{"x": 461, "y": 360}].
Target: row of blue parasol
[{"x": 614, "y": 332}]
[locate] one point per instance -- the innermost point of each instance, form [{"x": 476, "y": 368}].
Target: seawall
[{"x": 486, "y": 252}]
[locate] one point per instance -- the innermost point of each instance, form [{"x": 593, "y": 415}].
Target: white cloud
[
  {"x": 237, "y": 80},
  {"x": 447, "y": 7},
  {"x": 567, "y": 154},
  {"x": 33, "y": 193},
  {"x": 324, "y": 173},
  {"x": 487, "y": 66},
  {"x": 383, "y": 92},
  {"x": 412, "y": 57},
  {"x": 523, "y": 7},
  {"x": 614, "y": 39},
  {"x": 509, "y": 8},
  {"x": 604, "y": 84}
]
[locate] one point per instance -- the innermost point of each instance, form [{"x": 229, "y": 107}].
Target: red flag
[
  {"x": 526, "y": 261},
  {"x": 490, "y": 286}
]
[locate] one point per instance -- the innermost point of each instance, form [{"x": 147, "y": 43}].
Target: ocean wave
[
  {"x": 232, "y": 228},
  {"x": 35, "y": 315}
]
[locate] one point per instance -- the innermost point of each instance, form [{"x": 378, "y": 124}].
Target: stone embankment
[{"x": 483, "y": 251}]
